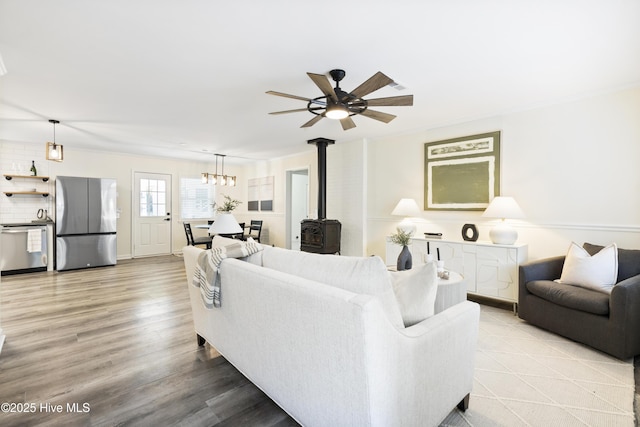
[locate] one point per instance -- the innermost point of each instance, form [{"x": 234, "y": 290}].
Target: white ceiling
[{"x": 174, "y": 78}]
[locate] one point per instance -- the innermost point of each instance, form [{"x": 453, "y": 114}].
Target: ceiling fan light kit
[
  {"x": 336, "y": 112},
  {"x": 340, "y": 105}
]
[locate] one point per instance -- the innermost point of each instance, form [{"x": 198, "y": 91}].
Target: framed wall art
[
  {"x": 462, "y": 173},
  {"x": 261, "y": 194}
]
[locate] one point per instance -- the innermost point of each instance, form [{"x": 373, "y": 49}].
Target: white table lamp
[
  {"x": 407, "y": 208},
  {"x": 504, "y": 208},
  {"x": 225, "y": 223}
]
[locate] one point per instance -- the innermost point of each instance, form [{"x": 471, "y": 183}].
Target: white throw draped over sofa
[{"x": 324, "y": 337}]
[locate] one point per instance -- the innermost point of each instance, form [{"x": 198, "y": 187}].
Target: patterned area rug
[{"x": 526, "y": 376}]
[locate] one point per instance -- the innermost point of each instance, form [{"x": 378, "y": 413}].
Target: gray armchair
[{"x": 609, "y": 323}]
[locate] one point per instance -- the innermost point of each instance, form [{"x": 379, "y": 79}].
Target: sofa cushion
[
  {"x": 569, "y": 296},
  {"x": 628, "y": 260},
  {"x": 415, "y": 291},
  {"x": 361, "y": 275},
  {"x": 598, "y": 272}
]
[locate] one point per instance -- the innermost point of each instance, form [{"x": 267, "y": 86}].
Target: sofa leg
[
  {"x": 464, "y": 403},
  {"x": 201, "y": 340}
]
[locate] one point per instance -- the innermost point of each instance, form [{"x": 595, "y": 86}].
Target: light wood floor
[{"x": 120, "y": 340}]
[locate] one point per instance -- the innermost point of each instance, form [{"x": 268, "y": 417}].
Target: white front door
[{"x": 151, "y": 214}]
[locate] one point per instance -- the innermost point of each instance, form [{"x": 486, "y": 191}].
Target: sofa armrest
[
  {"x": 543, "y": 269},
  {"x": 624, "y": 309},
  {"x": 439, "y": 350},
  {"x": 624, "y": 304}
]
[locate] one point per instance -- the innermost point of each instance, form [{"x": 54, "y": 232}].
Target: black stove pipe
[{"x": 322, "y": 144}]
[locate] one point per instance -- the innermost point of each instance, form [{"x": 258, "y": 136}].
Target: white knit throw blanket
[{"x": 206, "y": 275}]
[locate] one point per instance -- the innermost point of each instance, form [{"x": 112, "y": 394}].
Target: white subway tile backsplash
[{"x": 15, "y": 159}]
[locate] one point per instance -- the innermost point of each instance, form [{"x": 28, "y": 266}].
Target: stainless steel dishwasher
[{"x": 23, "y": 248}]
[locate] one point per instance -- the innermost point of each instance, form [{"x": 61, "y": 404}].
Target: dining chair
[
  {"x": 255, "y": 230},
  {"x": 199, "y": 241}
]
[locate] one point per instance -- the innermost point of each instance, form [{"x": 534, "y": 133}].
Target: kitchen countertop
[{"x": 26, "y": 224}]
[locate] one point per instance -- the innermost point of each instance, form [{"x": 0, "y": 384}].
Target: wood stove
[{"x": 322, "y": 235}]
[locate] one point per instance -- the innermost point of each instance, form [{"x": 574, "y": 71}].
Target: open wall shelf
[
  {"x": 29, "y": 193},
  {"x": 10, "y": 177}
]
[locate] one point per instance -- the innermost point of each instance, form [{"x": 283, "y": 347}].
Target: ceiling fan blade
[
  {"x": 324, "y": 84},
  {"x": 391, "y": 101},
  {"x": 312, "y": 122},
  {"x": 286, "y": 95},
  {"x": 293, "y": 111},
  {"x": 347, "y": 123},
  {"x": 374, "y": 83},
  {"x": 377, "y": 115}
]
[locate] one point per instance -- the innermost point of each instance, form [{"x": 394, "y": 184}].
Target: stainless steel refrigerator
[{"x": 85, "y": 222}]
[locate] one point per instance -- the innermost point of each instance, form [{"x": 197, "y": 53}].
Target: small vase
[{"x": 405, "y": 260}]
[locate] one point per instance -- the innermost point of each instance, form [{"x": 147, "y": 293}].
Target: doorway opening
[{"x": 297, "y": 205}]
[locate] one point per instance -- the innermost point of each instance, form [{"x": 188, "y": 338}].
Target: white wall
[
  {"x": 103, "y": 165},
  {"x": 573, "y": 168},
  {"x": 274, "y": 223},
  {"x": 346, "y": 195}
]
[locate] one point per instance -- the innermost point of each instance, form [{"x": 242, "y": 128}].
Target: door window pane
[{"x": 152, "y": 197}]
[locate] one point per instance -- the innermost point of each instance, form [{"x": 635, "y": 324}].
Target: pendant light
[
  {"x": 54, "y": 151},
  {"x": 219, "y": 179}
]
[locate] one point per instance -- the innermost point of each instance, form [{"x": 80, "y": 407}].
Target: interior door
[
  {"x": 298, "y": 208},
  {"x": 151, "y": 214}
]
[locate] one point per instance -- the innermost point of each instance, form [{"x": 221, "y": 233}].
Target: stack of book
[{"x": 433, "y": 235}]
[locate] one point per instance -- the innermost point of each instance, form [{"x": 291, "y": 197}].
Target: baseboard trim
[{"x": 491, "y": 302}]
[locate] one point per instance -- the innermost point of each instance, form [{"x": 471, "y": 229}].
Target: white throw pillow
[
  {"x": 416, "y": 291},
  {"x": 598, "y": 272}
]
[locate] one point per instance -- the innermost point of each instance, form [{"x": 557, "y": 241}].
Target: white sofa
[{"x": 330, "y": 356}]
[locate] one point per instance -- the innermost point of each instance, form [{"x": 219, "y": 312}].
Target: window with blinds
[{"x": 196, "y": 199}]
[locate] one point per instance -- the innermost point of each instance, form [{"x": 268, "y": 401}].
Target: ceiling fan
[{"x": 340, "y": 105}]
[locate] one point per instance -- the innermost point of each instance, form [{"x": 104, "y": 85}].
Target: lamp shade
[
  {"x": 406, "y": 207},
  {"x": 503, "y": 207},
  {"x": 225, "y": 223}
]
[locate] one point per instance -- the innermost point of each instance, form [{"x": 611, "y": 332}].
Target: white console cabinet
[{"x": 489, "y": 270}]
